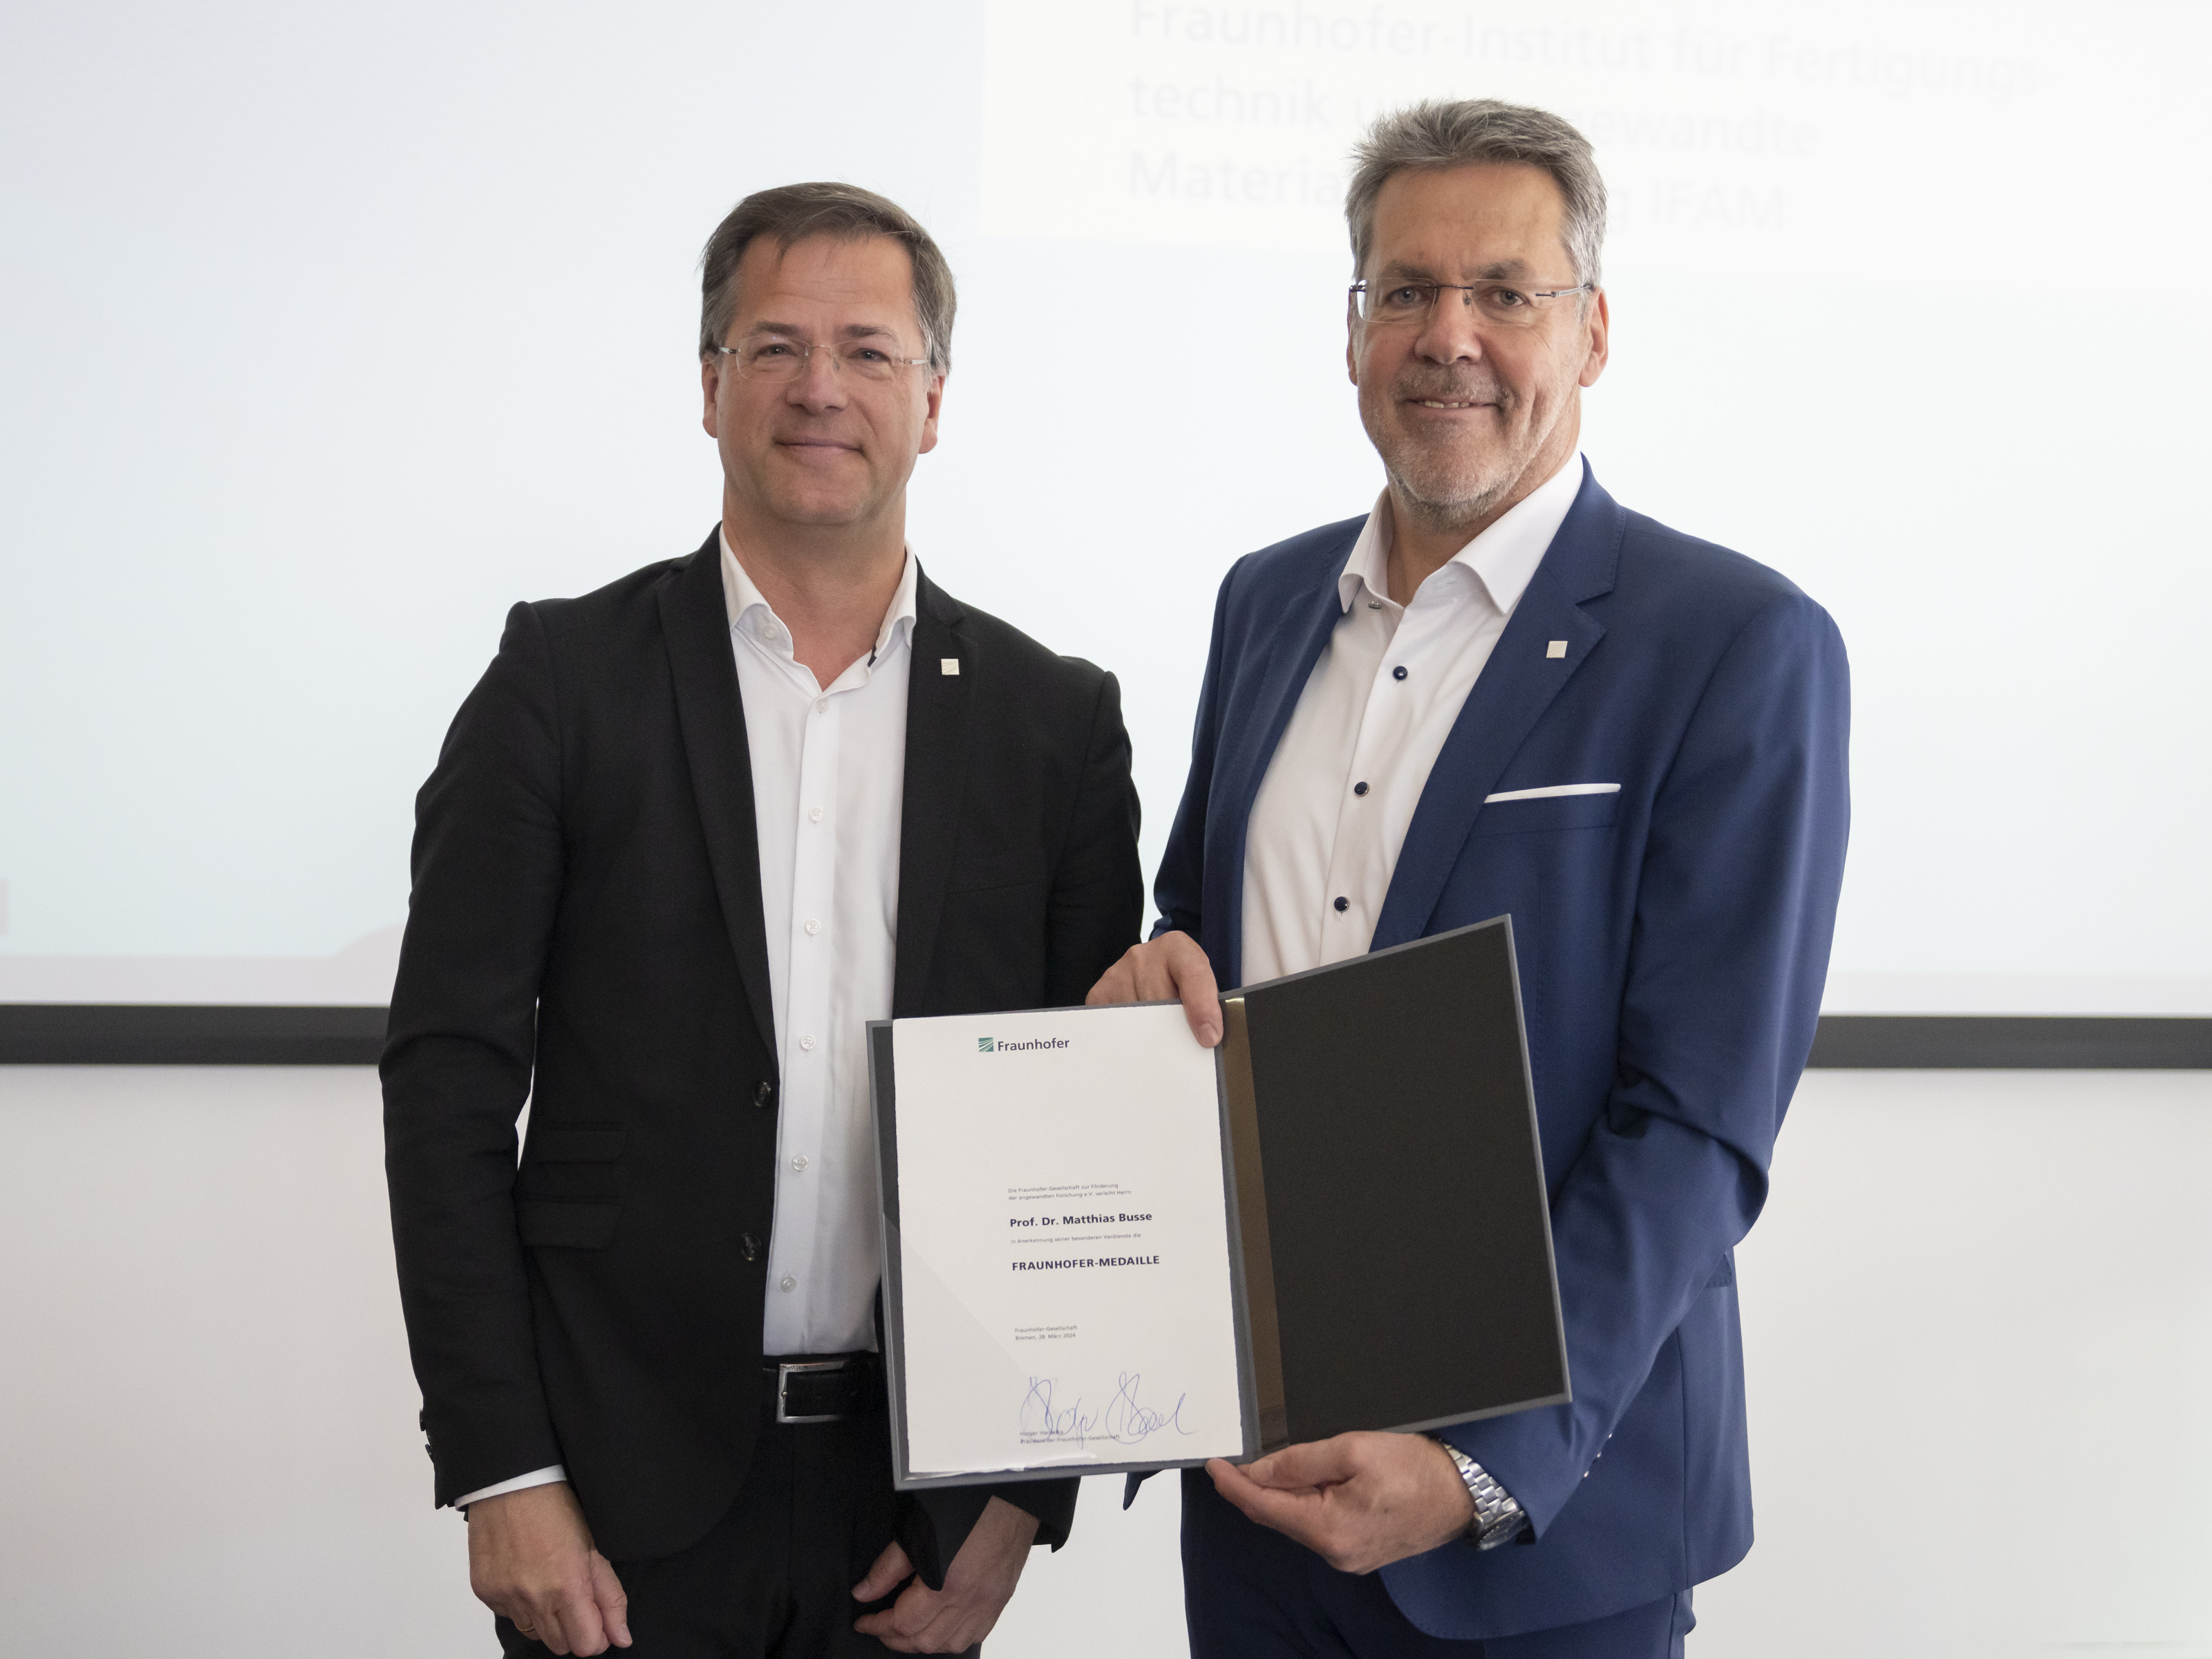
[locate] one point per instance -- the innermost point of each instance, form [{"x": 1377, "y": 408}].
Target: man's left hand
[
  {"x": 1360, "y": 1501},
  {"x": 977, "y": 1586}
]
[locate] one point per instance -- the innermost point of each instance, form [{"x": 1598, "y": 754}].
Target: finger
[
  {"x": 577, "y": 1613},
  {"x": 891, "y": 1570},
  {"x": 1303, "y": 1468},
  {"x": 613, "y": 1601},
  {"x": 932, "y": 1621},
  {"x": 546, "y": 1631},
  {"x": 1154, "y": 977},
  {"x": 1116, "y": 984},
  {"x": 1195, "y": 985}
]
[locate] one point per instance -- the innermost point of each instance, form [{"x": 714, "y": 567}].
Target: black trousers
[
  {"x": 773, "y": 1579},
  {"x": 1250, "y": 1593}
]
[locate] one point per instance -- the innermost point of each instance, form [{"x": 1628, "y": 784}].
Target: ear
[
  {"x": 710, "y": 382},
  {"x": 1599, "y": 326},
  {"x": 934, "y": 392},
  {"x": 1351, "y": 338}
]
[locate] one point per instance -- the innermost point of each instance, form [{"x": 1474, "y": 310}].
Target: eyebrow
[
  {"x": 850, "y": 332},
  {"x": 1498, "y": 270}
]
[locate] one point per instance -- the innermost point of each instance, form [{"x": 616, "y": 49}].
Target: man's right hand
[
  {"x": 531, "y": 1561},
  {"x": 1169, "y": 969}
]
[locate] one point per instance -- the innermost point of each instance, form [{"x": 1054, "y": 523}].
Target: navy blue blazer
[{"x": 1673, "y": 939}]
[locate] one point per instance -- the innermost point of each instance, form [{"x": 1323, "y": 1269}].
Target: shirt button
[
  {"x": 814, "y": 815},
  {"x": 1359, "y": 788},
  {"x": 807, "y": 1042},
  {"x": 1398, "y": 673},
  {"x": 800, "y": 1163},
  {"x": 813, "y": 927},
  {"x": 789, "y": 1283},
  {"x": 821, "y": 704},
  {"x": 1342, "y": 905}
]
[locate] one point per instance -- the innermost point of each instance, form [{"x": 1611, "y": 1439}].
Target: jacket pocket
[
  {"x": 1023, "y": 868},
  {"x": 1507, "y": 817},
  {"x": 552, "y": 1224}
]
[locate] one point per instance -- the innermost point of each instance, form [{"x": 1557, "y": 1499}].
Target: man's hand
[
  {"x": 531, "y": 1560},
  {"x": 1169, "y": 969},
  {"x": 1359, "y": 1501},
  {"x": 977, "y": 1586}
]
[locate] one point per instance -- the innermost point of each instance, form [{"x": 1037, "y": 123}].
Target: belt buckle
[{"x": 783, "y": 1375}]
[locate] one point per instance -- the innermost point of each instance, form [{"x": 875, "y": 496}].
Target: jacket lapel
[
  {"x": 694, "y": 620},
  {"x": 940, "y": 709},
  {"x": 1296, "y": 642},
  {"x": 1510, "y": 694}
]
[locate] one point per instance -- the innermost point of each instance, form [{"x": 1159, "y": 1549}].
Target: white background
[{"x": 330, "y": 332}]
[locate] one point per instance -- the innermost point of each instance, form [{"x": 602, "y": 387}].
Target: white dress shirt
[
  {"x": 1340, "y": 789},
  {"x": 828, "y": 766}
]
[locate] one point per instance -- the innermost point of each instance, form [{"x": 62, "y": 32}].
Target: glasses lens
[
  {"x": 1508, "y": 307},
  {"x": 1397, "y": 303},
  {"x": 771, "y": 357},
  {"x": 867, "y": 362}
]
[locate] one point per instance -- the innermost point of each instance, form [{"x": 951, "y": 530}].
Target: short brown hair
[
  {"x": 1442, "y": 133},
  {"x": 791, "y": 213}
]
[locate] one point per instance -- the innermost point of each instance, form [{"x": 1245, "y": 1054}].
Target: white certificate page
[{"x": 1064, "y": 1247}]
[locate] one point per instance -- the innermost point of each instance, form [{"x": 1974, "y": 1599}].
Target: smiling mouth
[{"x": 1442, "y": 403}]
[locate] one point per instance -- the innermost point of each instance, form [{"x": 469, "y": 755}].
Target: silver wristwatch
[{"x": 1498, "y": 1516}]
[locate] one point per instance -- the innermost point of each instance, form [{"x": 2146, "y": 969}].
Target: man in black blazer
[{"x": 686, "y": 835}]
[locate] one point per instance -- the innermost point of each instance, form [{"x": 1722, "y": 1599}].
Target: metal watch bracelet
[{"x": 1498, "y": 1516}]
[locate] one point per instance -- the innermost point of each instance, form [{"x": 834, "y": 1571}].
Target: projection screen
[{"x": 331, "y": 331}]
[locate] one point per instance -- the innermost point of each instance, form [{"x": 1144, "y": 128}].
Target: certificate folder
[{"x": 1106, "y": 1250}]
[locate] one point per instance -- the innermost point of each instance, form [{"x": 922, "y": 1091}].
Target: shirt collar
[
  {"x": 1504, "y": 557},
  {"x": 740, "y": 596}
]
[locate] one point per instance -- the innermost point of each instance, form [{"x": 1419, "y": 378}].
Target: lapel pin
[
  {"x": 949, "y": 664},
  {"x": 1556, "y": 648}
]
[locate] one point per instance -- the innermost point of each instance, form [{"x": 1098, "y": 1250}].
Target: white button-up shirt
[
  {"x": 828, "y": 766},
  {"x": 1340, "y": 789}
]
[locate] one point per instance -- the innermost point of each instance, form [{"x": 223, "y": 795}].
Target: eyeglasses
[
  {"x": 1402, "y": 303},
  {"x": 779, "y": 357}
]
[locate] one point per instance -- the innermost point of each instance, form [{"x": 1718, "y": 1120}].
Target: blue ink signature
[{"x": 1125, "y": 1420}]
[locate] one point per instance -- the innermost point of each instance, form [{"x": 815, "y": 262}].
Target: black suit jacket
[{"x": 584, "y": 932}]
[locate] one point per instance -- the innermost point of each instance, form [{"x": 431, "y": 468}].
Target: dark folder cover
[{"x": 1396, "y": 1242}]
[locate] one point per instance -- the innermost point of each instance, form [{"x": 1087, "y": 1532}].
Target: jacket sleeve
[
  {"x": 1180, "y": 886},
  {"x": 934, "y": 1525},
  {"x": 1098, "y": 900},
  {"x": 487, "y": 870},
  {"x": 1734, "y": 912}
]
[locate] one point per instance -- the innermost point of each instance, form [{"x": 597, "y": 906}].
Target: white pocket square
[{"x": 1555, "y": 789}]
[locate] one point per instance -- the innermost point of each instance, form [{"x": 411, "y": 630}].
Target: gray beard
[{"x": 1428, "y": 503}]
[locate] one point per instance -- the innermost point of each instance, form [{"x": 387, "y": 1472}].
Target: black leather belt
[{"x": 821, "y": 1391}]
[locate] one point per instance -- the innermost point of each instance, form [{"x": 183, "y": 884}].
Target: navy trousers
[{"x": 1250, "y": 1593}]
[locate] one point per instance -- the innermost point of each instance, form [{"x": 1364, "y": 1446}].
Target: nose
[
  {"x": 1449, "y": 334},
  {"x": 820, "y": 383}
]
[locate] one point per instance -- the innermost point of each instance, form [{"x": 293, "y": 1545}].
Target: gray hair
[
  {"x": 1442, "y": 133},
  {"x": 791, "y": 213}
]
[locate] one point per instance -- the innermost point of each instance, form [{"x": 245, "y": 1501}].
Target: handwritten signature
[{"x": 1123, "y": 1420}]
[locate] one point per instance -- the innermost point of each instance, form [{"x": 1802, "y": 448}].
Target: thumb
[
  {"x": 891, "y": 1570},
  {"x": 1316, "y": 1463},
  {"x": 614, "y": 1603}
]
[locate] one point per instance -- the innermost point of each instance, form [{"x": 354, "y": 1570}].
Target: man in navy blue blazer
[{"x": 1502, "y": 693}]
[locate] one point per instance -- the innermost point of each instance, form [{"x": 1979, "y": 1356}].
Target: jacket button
[
  {"x": 765, "y": 1095},
  {"x": 752, "y": 1248}
]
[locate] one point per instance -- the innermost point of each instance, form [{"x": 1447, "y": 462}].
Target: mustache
[{"x": 1446, "y": 386}]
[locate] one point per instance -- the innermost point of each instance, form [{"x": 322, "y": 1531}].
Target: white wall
[{"x": 1979, "y": 1325}]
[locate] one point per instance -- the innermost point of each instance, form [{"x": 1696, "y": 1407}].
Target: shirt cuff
[{"x": 544, "y": 1477}]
